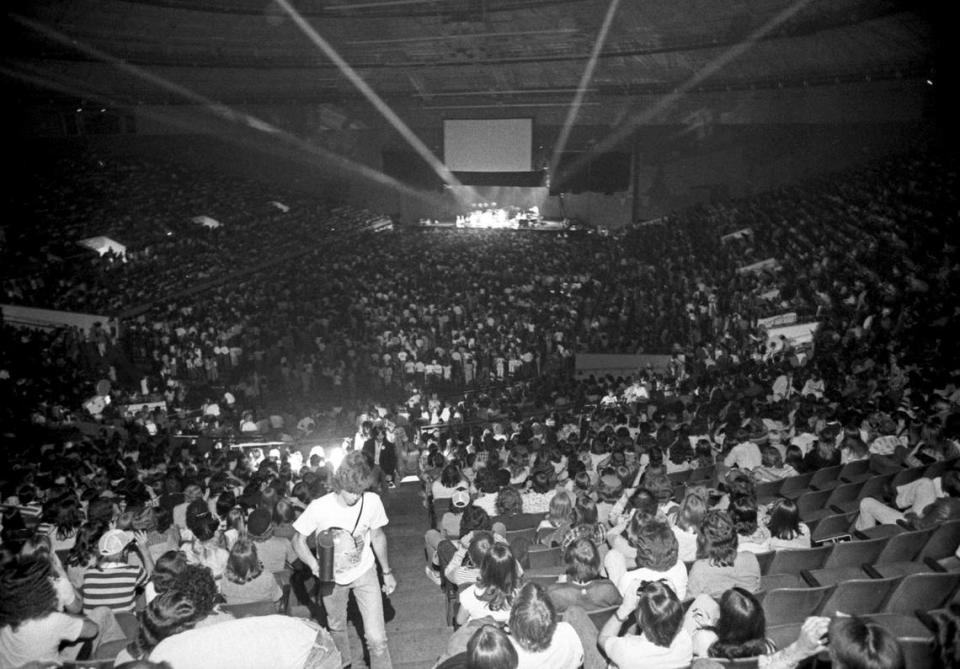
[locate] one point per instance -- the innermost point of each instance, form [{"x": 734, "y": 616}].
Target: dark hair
[
  {"x": 743, "y": 510},
  {"x": 167, "y": 569},
  {"x": 859, "y": 644},
  {"x": 169, "y": 613},
  {"x": 533, "y": 618},
  {"x": 480, "y": 544},
  {"x": 582, "y": 561},
  {"x": 784, "y": 520},
  {"x": 499, "y": 578},
  {"x": 200, "y": 521},
  {"x": 947, "y": 635},
  {"x": 198, "y": 583},
  {"x": 540, "y": 481},
  {"x": 85, "y": 547},
  {"x": 486, "y": 481},
  {"x": 656, "y": 544},
  {"x": 770, "y": 457},
  {"x": 491, "y": 648},
  {"x": 586, "y": 510},
  {"x": 474, "y": 518},
  {"x": 66, "y": 515},
  {"x": 644, "y": 504},
  {"x": 450, "y": 476},
  {"x": 26, "y": 591},
  {"x": 659, "y": 613},
  {"x": 717, "y": 540},
  {"x": 741, "y": 627}
]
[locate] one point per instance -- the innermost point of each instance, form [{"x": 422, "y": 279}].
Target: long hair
[
  {"x": 499, "y": 578},
  {"x": 491, "y": 648},
  {"x": 741, "y": 627},
  {"x": 84, "y": 550},
  {"x": 784, "y": 520},
  {"x": 690, "y": 514},
  {"x": 561, "y": 509},
  {"x": 743, "y": 510},
  {"x": 717, "y": 540},
  {"x": 200, "y": 521},
  {"x": 859, "y": 644}
]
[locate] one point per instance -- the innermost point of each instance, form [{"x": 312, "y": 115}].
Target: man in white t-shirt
[
  {"x": 356, "y": 519},
  {"x": 540, "y": 640}
]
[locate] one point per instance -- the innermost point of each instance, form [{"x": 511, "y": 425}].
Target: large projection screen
[{"x": 488, "y": 145}]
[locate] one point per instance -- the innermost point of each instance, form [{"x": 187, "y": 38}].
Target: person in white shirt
[{"x": 539, "y": 638}]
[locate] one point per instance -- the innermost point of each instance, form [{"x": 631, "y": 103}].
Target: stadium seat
[
  {"x": 940, "y": 468},
  {"x": 826, "y": 478},
  {"x": 921, "y": 591},
  {"x": 904, "y": 546},
  {"x": 858, "y": 471},
  {"x": 785, "y": 570},
  {"x": 844, "y": 495},
  {"x": 542, "y": 577},
  {"x": 833, "y": 527},
  {"x": 858, "y": 597},
  {"x": 768, "y": 491},
  {"x": 876, "y": 487},
  {"x": 906, "y": 476},
  {"x": 942, "y": 544},
  {"x": 793, "y": 605},
  {"x": 846, "y": 561},
  {"x": 795, "y": 486},
  {"x": 541, "y": 557},
  {"x": 600, "y": 616},
  {"x": 812, "y": 505}
]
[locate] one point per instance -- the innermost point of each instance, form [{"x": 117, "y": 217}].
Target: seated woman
[
  {"x": 560, "y": 519},
  {"x": 751, "y": 536},
  {"x": 786, "y": 529},
  {"x": 245, "y": 579},
  {"x": 495, "y": 589},
  {"x": 204, "y": 548},
  {"x": 720, "y": 566},
  {"x": 587, "y": 526},
  {"x": 541, "y": 640},
  {"x": 686, "y": 526},
  {"x": 451, "y": 480},
  {"x": 539, "y": 492},
  {"x": 489, "y": 647},
  {"x": 657, "y": 559},
  {"x": 584, "y": 586},
  {"x": 661, "y": 640},
  {"x": 510, "y": 512},
  {"x": 734, "y": 628},
  {"x": 771, "y": 466}
]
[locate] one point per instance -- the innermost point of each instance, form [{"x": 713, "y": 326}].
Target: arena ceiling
[{"x": 461, "y": 57}]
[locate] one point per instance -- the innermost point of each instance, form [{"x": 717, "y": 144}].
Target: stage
[{"x": 491, "y": 217}]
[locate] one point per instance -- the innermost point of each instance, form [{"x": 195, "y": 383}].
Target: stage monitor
[{"x": 488, "y": 145}]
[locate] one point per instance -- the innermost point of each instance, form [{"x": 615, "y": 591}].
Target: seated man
[{"x": 911, "y": 500}]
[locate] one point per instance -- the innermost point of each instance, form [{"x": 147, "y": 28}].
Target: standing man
[
  {"x": 357, "y": 518},
  {"x": 382, "y": 458}
]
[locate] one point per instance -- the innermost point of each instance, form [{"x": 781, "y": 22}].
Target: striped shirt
[{"x": 112, "y": 585}]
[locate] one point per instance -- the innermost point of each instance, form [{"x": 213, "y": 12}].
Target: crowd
[{"x": 450, "y": 353}]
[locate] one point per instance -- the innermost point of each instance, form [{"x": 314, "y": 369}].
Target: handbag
[{"x": 326, "y": 550}]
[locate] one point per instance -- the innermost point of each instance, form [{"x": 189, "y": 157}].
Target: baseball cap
[
  {"x": 460, "y": 498},
  {"x": 114, "y": 541}
]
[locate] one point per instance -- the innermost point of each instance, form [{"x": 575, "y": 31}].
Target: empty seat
[
  {"x": 845, "y": 495},
  {"x": 793, "y": 605},
  {"x": 541, "y": 557},
  {"x": 826, "y": 478},
  {"x": 812, "y": 505},
  {"x": 922, "y": 591},
  {"x": 846, "y": 561},
  {"x": 795, "y": 486},
  {"x": 904, "y": 546},
  {"x": 858, "y": 597},
  {"x": 786, "y": 567},
  {"x": 942, "y": 544},
  {"x": 856, "y": 471},
  {"x": 833, "y": 527}
]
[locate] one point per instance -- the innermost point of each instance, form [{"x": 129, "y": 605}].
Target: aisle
[{"x": 418, "y": 633}]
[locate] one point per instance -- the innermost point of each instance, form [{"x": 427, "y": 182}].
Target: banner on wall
[{"x": 47, "y": 319}]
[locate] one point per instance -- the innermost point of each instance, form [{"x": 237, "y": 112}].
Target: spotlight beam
[
  {"x": 668, "y": 100},
  {"x": 583, "y": 86},
  {"x": 215, "y": 108},
  {"x": 365, "y": 89}
]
